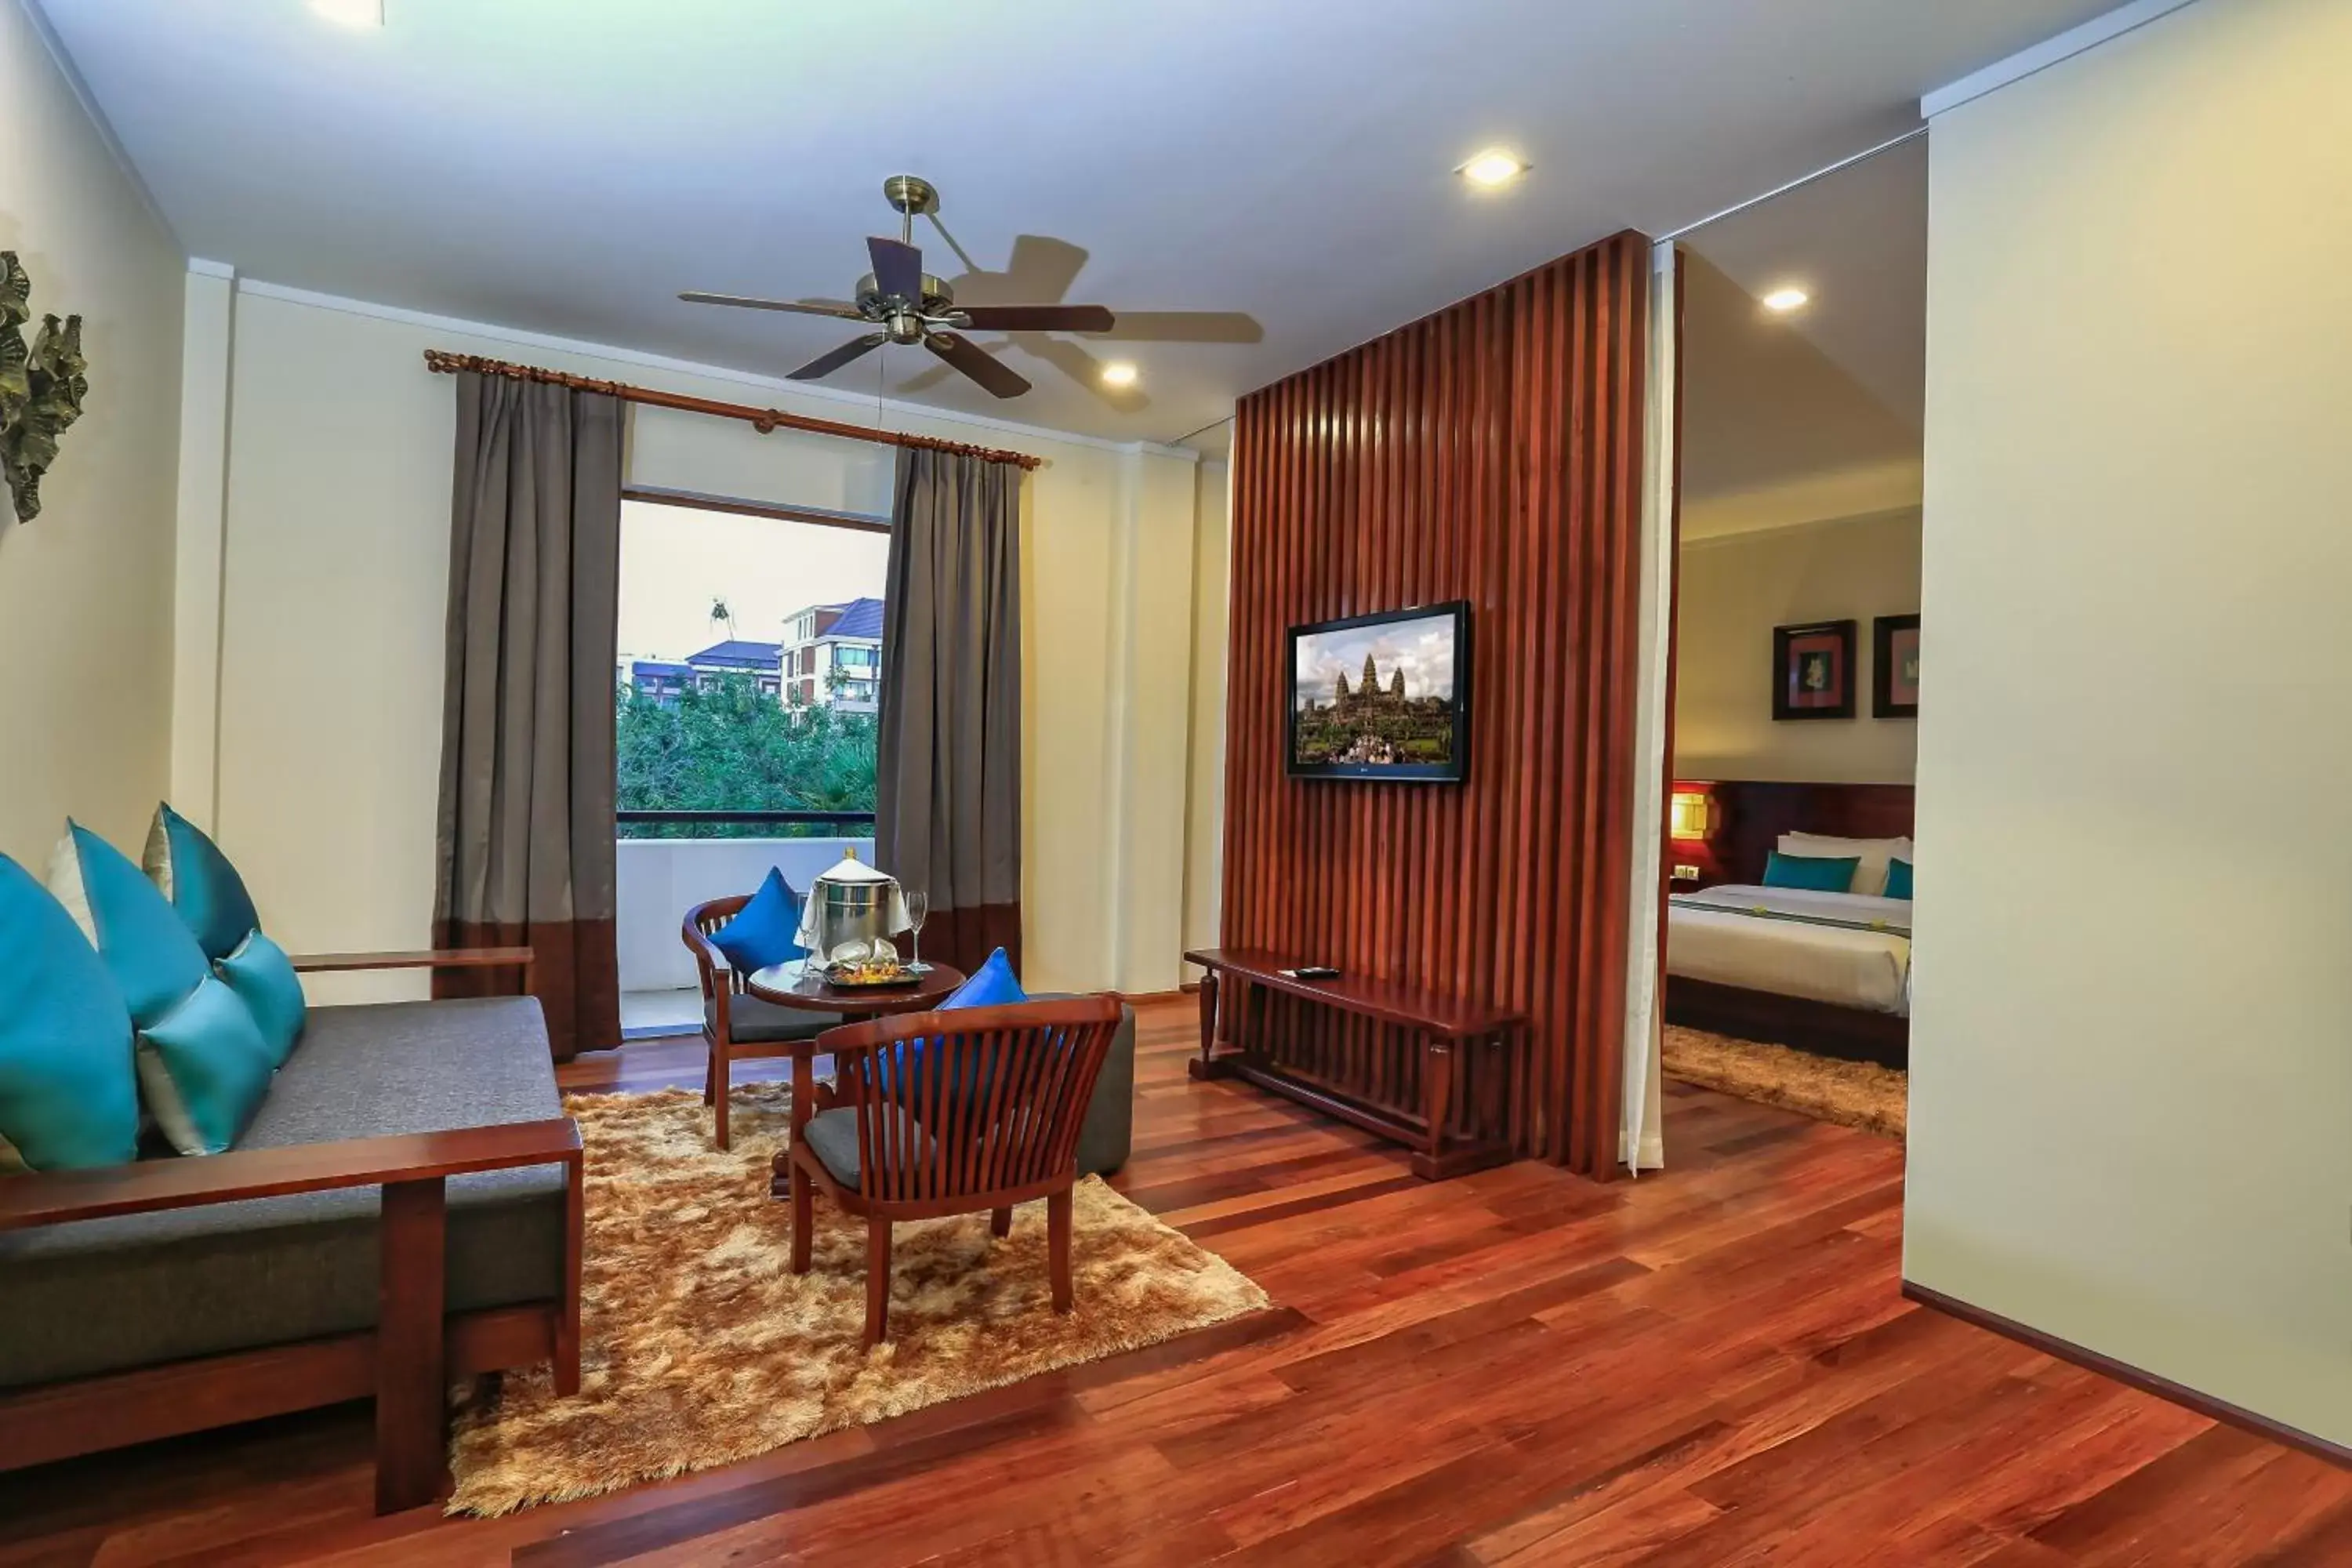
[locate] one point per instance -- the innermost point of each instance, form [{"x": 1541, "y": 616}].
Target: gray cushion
[
  {"x": 833, "y": 1137},
  {"x": 104, "y": 1295},
  {"x": 752, "y": 1022},
  {"x": 1109, "y": 1130}
]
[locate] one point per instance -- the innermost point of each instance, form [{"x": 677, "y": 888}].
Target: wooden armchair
[
  {"x": 734, "y": 1023},
  {"x": 946, "y": 1113}
]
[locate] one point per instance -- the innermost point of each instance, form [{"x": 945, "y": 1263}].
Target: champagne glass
[{"x": 918, "y": 910}]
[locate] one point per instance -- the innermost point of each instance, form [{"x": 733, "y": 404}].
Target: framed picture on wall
[
  {"x": 1812, "y": 670},
  {"x": 1894, "y": 667}
]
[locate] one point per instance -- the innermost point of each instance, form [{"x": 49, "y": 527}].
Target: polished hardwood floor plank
[{"x": 1708, "y": 1365}]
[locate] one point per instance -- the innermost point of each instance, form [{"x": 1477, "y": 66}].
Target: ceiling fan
[{"x": 907, "y": 305}]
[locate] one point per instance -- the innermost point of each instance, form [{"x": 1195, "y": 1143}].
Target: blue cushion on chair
[
  {"x": 764, "y": 931},
  {"x": 992, "y": 984},
  {"x": 202, "y": 1065},
  {"x": 263, "y": 978},
  {"x": 1813, "y": 874},
  {"x": 67, "y": 1094},
  {"x": 202, "y": 885}
]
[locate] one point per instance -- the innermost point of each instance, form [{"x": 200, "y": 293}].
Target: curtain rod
[{"x": 763, "y": 420}]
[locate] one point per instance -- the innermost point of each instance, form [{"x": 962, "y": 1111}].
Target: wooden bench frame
[
  {"x": 1447, "y": 1028},
  {"x": 405, "y": 1362}
]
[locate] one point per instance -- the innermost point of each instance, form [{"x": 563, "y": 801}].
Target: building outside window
[{"x": 735, "y": 693}]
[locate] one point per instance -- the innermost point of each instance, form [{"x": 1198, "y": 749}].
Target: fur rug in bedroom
[{"x": 1853, "y": 1094}]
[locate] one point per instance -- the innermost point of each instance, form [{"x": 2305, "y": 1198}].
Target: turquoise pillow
[
  {"x": 1814, "y": 874},
  {"x": 991, "y": 985},
  {"x": 67, "y": 1095},
  {"x": 764, "y": 931},
  {"x": 263, "y": 978},
  {"x": 202, "y": 885},
  {"x": 203, "y": 1064},
  {"x": 204, "y": 1070},
  {"x": 1898, "y": 879}
]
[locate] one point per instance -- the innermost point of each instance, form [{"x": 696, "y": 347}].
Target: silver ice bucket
[{"x": 853, "y": 912}]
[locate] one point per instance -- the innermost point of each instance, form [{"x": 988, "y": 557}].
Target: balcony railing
[{"x": 668, "y": 863}]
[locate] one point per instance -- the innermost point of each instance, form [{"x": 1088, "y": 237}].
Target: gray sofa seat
[{"x": 100, "y": 1295}]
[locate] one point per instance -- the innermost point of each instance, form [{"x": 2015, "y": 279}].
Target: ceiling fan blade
[
  {"x": 975, "y": 362},
  {"x": 897, "y": 268},
  {"x": 825, "y": 364},
  {"x": 1040, "y": 318},
  {"x": 847, "y": 312}
]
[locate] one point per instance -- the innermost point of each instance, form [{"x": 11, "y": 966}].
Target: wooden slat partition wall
[{"x": 1491, "y": 452}]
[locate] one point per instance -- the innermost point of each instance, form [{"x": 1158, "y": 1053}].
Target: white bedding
[{"x": 1710, "y": 936}]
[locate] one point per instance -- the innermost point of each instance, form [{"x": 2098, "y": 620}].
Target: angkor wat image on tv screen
[{"x": 1376, "y": 696}]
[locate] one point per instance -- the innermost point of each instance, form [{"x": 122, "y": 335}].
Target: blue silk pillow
[
  {"x": 991, "y": 985},
  {"x": 1812, "y": 874},
  {"x": 203, "y": 885},
  {"x": 202, "y": 1065},
  {"x": 67, "y": 1097},
  {"x": 1898, "y": 879},
  {"x": 766, "y": 930},
  {"x": 263, "y": 978}
]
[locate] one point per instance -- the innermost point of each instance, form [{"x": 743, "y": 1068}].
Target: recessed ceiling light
[
  {"x": 1119, "y": 372},
  {"x": 351, "y": 13},
  {"x": 1785, "y": 300},
  {"x": 1494, "y": 166}
]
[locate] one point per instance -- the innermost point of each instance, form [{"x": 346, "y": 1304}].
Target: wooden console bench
[{"x": 1397, "y": 1061}]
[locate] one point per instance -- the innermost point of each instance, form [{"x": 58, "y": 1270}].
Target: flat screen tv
[{"x": 1382, "y": 696}]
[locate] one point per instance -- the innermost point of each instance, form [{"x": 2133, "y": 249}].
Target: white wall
[
  {"x": 1204, "y": 831},
  {"x": 2131, "y": 1109},
  {"x": 86, "y": 589},
  {"x": 334, "y": 594},
  {"x": 660, "y": 879},
  {"x": 1734, "y": 589}
]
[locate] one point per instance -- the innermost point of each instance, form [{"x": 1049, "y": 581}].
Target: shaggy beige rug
[
  {"x": 1854, "y": 1094},
  {"x": 701, "y": 1347}
]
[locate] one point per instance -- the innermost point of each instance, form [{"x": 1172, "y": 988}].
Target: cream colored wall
[
  {"x": 1204, "y": 831},
  {"x": 1734, "y": 591},
  {"x": 86, "y": 589},
  {"x": 2131, "y": 1091},
  {"x": 335, "y": 577}
]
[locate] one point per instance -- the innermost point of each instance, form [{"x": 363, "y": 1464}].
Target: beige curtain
[
  {"x": 947, "y": 807},
  {"x": 525, "y": 841}
]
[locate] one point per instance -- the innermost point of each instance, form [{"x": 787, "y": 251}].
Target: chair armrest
[
  {"x": 54, "y": 1197},
  {"x": 431, "y": 958}
]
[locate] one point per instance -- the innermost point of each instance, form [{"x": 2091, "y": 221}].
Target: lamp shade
[{"x": 1691, "y": 813}]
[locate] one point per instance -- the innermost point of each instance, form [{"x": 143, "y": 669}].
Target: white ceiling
[
  {"x": 1816, "y": 414},
  {"x": 566, "y": 166}
]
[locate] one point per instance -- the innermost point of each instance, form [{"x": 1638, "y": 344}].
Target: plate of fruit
[{"x": 859, "y": 973}]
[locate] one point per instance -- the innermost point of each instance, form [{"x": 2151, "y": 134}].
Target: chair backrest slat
[{"x": 963, "y": 1104}]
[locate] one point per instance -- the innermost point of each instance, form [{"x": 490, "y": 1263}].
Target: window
[{"x": 724, "y": 702}]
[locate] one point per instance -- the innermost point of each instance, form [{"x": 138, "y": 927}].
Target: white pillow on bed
[{"x": 1870, "y": 875}]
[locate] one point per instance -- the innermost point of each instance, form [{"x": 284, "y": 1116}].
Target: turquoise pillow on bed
[
  {"x": 67, "y": 1095},
  {"x": 1898, "y": 879},
  {"x": 202, "y": 1062},
  {"x": 1811, "y": 874}
]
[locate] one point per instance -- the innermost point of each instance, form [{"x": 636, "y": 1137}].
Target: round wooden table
[{"x": 789, "y": 985}]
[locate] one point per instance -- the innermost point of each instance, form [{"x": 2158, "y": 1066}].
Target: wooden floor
[{"x": 1708, "y": 1366}]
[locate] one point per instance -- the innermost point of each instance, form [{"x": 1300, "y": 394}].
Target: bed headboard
[{"x": 1749, "y": 818}]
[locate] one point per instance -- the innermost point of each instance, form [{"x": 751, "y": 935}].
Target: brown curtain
[
  {"x": 525, "y": 841},
  {"x": 948, "y": 808}
]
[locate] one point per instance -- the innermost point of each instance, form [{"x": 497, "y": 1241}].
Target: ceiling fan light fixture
[
  {"x": 1120, "y": 372},
  {"x": 352, "y": 13},
  {"x": 1494, "y": 168}
]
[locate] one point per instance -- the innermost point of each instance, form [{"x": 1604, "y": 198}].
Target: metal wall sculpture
[{"x": 41, "y": 388}]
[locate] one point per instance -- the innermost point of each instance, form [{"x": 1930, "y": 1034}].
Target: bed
[{"x": 1823, "y": 971}]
